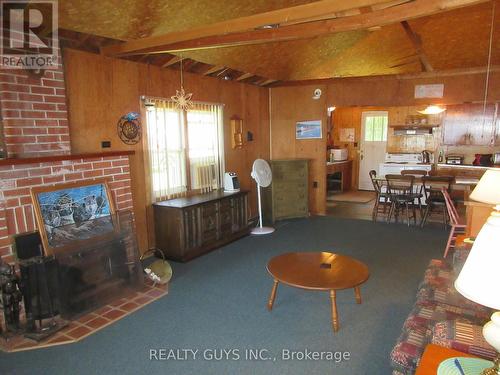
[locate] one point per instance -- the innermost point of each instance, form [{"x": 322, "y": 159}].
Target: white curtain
[
  {"x": 165, "y": 141},
  {"x": 205, "y": 146},
  {"x": 185, "y": 150}
]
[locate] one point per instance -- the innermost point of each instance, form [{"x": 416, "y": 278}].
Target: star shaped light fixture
[{"x": 181, "y": 99}]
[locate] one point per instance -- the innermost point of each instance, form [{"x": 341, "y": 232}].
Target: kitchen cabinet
[
  {"x": 465, "y": 124},
  {"x": 188, "y": 227}
]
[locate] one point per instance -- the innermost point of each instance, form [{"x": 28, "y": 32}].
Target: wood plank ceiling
[{"x": 265, "y": 42}]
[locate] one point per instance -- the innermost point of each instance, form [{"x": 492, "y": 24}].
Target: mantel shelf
[{"x": 45, "y": 159}]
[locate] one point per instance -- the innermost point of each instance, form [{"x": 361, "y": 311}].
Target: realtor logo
[{"x": 29, "y": 37}]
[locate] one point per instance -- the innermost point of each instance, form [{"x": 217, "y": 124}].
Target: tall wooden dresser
[
  {"x": 188, "y": 227},
  {"x": 287, "y": 196}
]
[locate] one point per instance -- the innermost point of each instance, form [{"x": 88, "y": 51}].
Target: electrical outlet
[{"x": 105, "y": 144}]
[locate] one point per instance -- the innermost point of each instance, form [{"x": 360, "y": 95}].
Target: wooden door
[{"x": 373, "y": 145}]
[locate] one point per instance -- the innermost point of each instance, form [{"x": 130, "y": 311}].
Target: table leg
[
  {"x": 357, "y": 293},
  {"x": 335, "y": 319},
  {"x": 270, "y": 303}
]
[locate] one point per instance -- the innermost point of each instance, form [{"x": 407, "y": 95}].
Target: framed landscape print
[
  {"x": 68, "y": 213},
  {"x": 308, "y": 129}
]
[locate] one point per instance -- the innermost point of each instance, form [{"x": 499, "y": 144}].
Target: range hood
[{"x": 412, "y": 130}]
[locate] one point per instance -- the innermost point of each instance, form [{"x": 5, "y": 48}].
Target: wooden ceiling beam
[
  {"x": 268, "y": 82},
  {"x": 389, "y": 77},
  {"x": 244, "y": 76},
  {"x": 171, "y": 61},
  {"x": 275, "y": 17},
  {"x": 214, "y": 69},
  {"x": 377, "y": 18},
  {"x": 417, "y": 44}
]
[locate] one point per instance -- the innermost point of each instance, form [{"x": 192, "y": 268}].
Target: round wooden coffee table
[{"x": 318, "y": 271}]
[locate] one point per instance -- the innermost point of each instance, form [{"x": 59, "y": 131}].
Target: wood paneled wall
[
  {"x": 289, "y": 105},
  {"x": 102, "y": 89},
  {"x": 397, "y": 92}
]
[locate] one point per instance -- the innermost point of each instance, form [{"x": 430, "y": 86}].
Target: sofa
[{"x": 441, "y": 316}]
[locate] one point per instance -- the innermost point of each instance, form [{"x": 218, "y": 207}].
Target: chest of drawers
[{"x": 287, "y": 196}]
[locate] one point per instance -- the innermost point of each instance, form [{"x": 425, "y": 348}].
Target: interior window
[{"x": 185, "y": 148}]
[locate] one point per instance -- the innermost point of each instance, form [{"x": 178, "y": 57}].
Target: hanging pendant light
[
  {"x": 181, "y": 99},
  {"x": 432, "y": 110}
]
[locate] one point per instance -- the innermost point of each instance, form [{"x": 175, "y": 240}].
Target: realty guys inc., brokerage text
[{"x": 260, "y": 354}]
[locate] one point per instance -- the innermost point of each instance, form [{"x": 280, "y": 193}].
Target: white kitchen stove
[{"x": 395, "y": 163}]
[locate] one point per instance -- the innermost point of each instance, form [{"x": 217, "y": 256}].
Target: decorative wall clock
[{"x": 129, "y": 128}]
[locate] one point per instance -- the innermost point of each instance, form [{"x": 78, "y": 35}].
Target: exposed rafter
[
  {"x": 73, "y": 39},
  {"x": 172, "y": 61},
  {"x": 276, "y": 17},
  {"x": 213, "y": 70},
  {"x": 245, "y": 76},
  {"x": 268, "y": 82},
  {"x": 417, "y": 43},
  {"x": 214, "y": 37}
]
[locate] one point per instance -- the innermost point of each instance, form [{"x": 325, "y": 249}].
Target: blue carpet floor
[{"x": 218, "y": 301}]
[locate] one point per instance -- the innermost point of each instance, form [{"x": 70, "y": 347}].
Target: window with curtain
[{"x": 185, "y": 148}]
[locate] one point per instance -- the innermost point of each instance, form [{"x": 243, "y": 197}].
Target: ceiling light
[{"x": 432, "y": 110}]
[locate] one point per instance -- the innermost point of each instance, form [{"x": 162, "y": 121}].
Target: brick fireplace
[{"x": 36, "y": 133}]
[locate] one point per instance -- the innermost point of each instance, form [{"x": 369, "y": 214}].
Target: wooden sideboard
[
  {"x": 188, "y": 227},
  {"x": 287, "y": 196}
]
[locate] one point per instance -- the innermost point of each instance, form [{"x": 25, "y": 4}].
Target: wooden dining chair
[
  {"x": 401, "y": 194},
  {"x": 457, "y": 227},
  {"x": 418, "y": 188},
  {"x": 434, "y": 199},
  {"x": 382, "y": 200}
]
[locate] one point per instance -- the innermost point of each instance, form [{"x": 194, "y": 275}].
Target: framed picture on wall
[
  {"x": 69, "y": 213},
  {"x": 308, "y": 129}
]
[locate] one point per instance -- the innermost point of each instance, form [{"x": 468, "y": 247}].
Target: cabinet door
[
  {"x": 191, "y": 228},
  {"x": 208, "y": 222},
  {"x": 469, "y": 124},
  {"x": 483, "y": 128},
  {"x": 225, "y": 218},
  {"x": 239, "y": 213},
  {"x": 455, "y": 125}
]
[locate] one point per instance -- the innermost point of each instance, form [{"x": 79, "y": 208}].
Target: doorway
[{"x": 373, "y": 145}]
